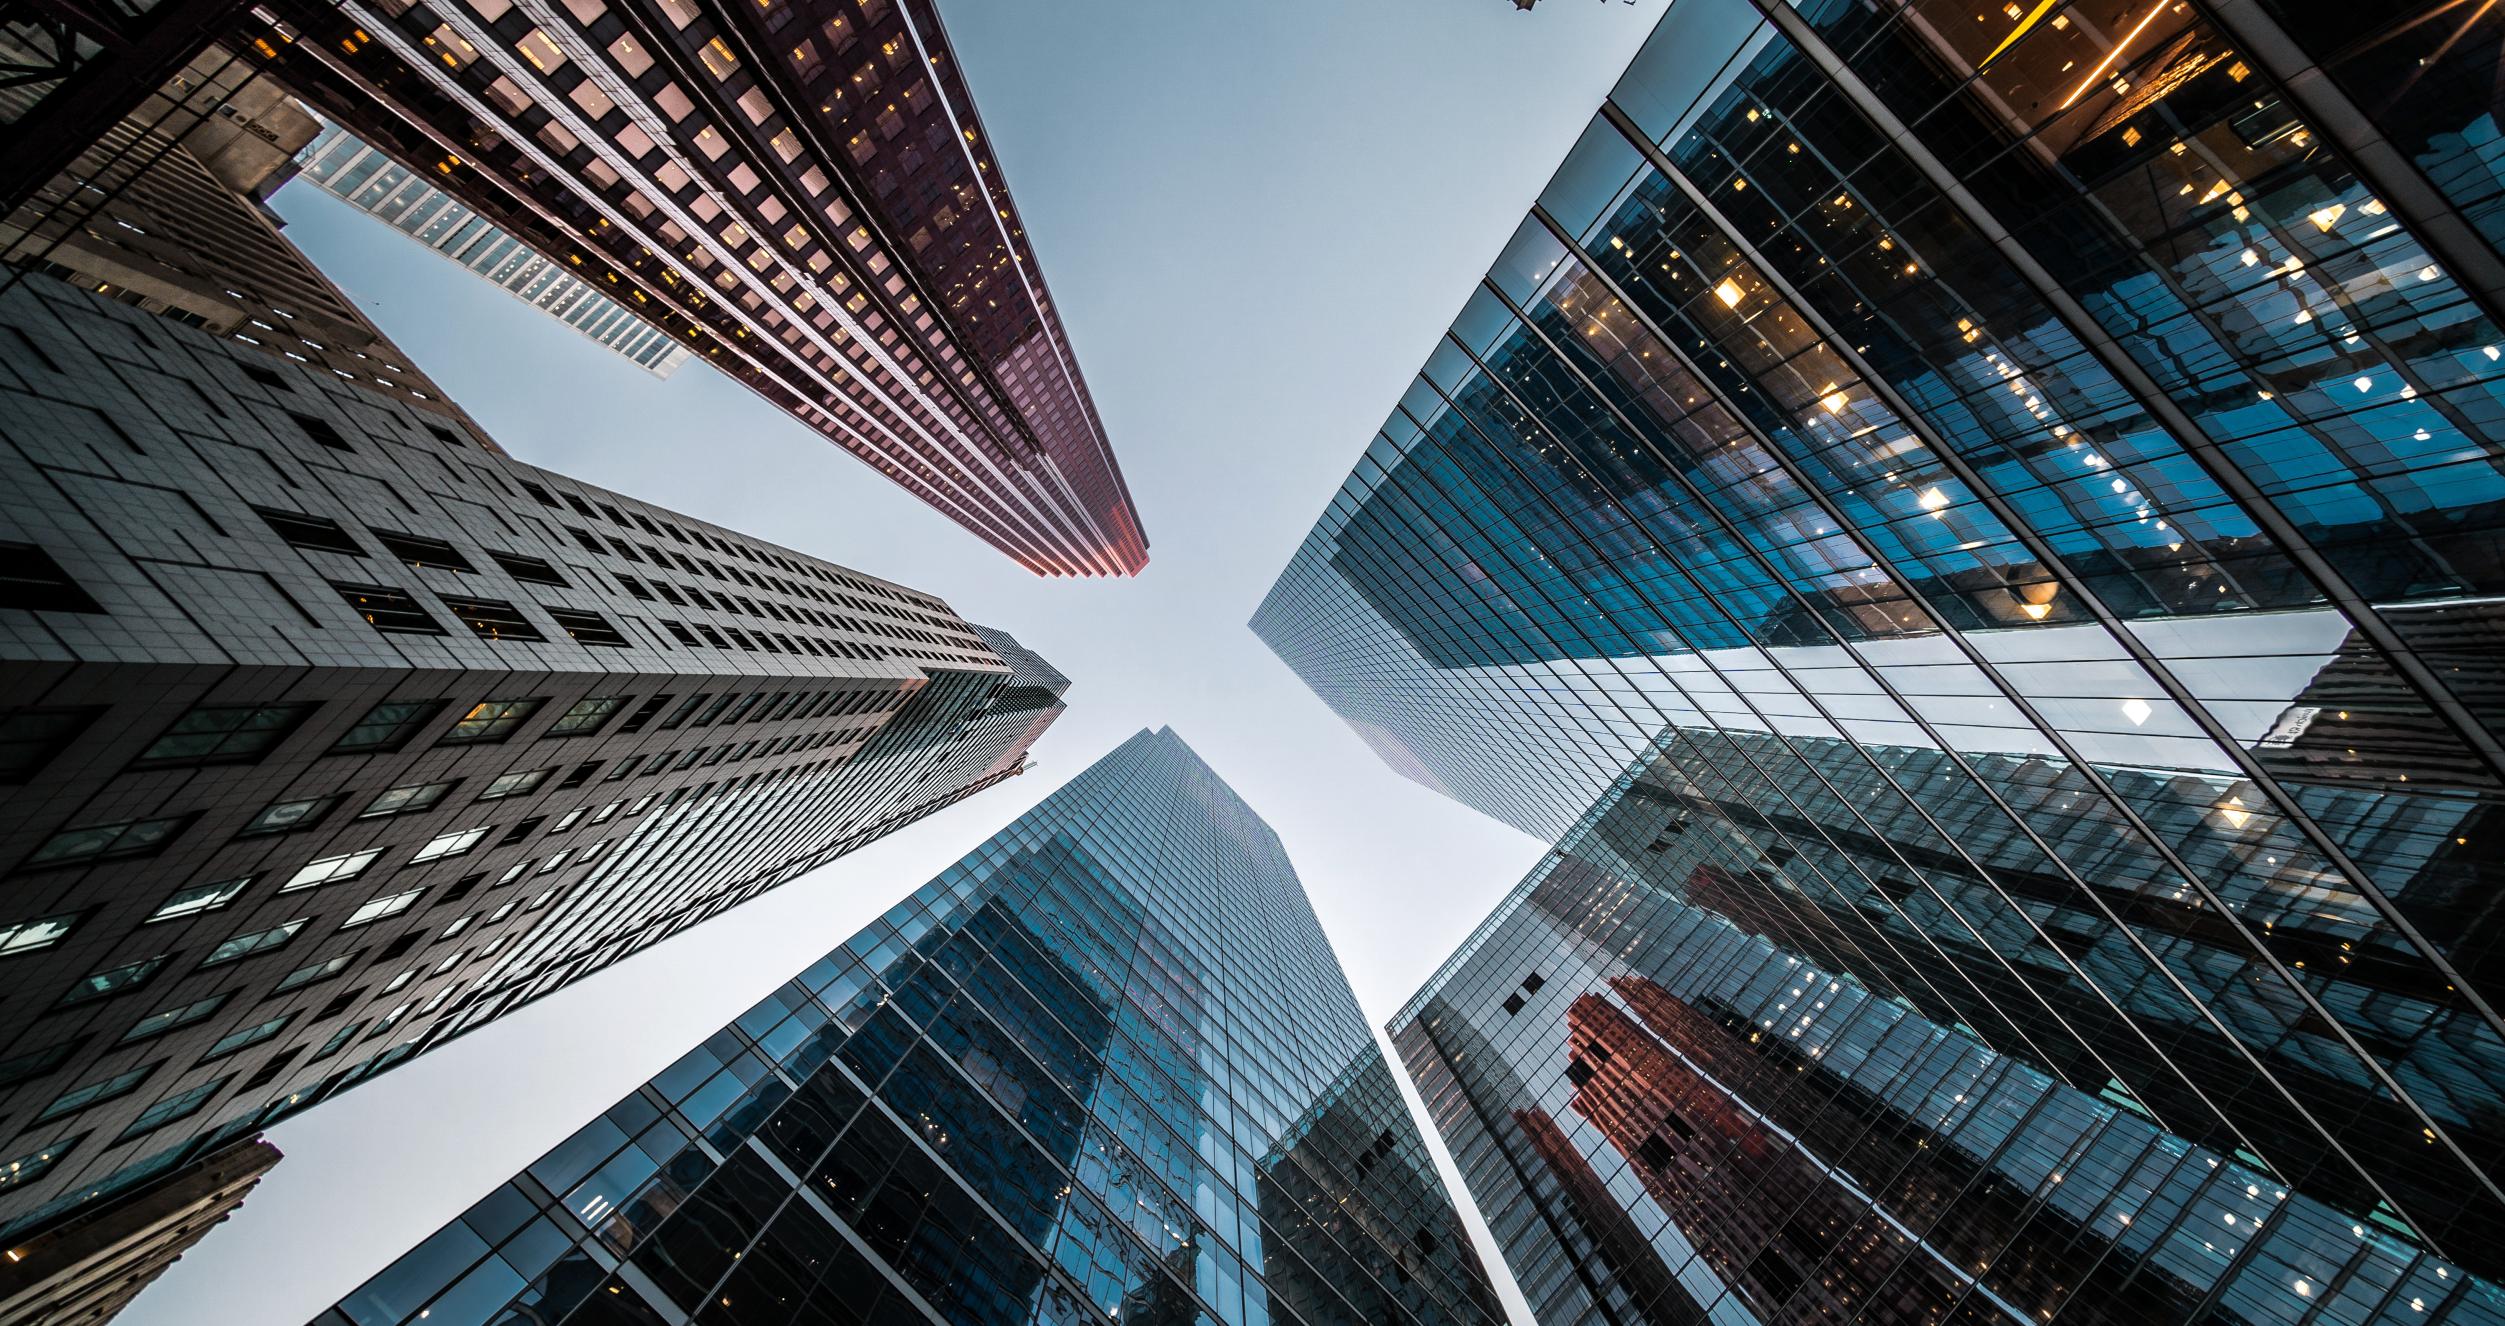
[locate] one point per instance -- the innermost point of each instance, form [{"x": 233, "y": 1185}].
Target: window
[
  {"x": 41, "y": 933},
  {"x": 35, "y": 1063},
  {"x": 172, "y": 1108},
  {"x": 79, "y": 1098},
  {"x": 539, "y": 494},
  {"x": 422, "y": 552},
  {"x": 522, "y": 830},
  {"x": 553, "y": 863},
  {"x": 493, "y": 619},
  {"x": 338, "y": 1040},
  {"x": 259, "y": 941},
  {"x": 223, "y": 734},
  {"x": 569, "y": 819},
  {"x": 331, "y": 870},
  {"x": 389, "y": 610},
  {"x": 516, "y": 784},
  {"x": 31, "y": 581},
  {"x": 314, "y": 973},
  {"x": 112, "y": 981},
  {"x": 287, "y": 816},
  {"x": 643, "y": 713},
  {"x": 387, "y": 726},
  {"x": 449, "y": 844},
  {"x": 320, "y": 430},
  {"x": 582, "y": 774},
  {"x": 490, "y": 720},
  {"x": 586, "y": 716},
  {"x": 199, "y": 898},
  {"x": 375, "y": 910},
  {"x": 529, "y": 569},
  {"x": 315, "y": 532},
  {"x": 29, "y": 738},
  {"x": 246, "y": 1037},
  {"x": 405, "y": 800},
  {"x": 165, "y": 1020},
  {"x": 714, "y": 710},
  {"x": 31, "y": 1166},
  {"x": 679, "y": 715},
  {"x": 588, "y": 628},
  {"x": 104, "y": 842}
]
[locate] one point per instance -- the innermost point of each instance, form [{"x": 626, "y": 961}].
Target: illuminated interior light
[
  {"x": 2326, "y": 217},
  {"x": 2251, "y": 257},
  {"x": 1933, "y": 500},
  {"x": 1730, "y": 293},
  {"x": 2137, "y": 711}
]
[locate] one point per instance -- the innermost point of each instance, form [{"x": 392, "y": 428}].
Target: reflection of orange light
[{"x": 2110, "y": 56}]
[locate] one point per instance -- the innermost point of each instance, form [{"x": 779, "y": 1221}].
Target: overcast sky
[{"x": 1256, "y": 216}]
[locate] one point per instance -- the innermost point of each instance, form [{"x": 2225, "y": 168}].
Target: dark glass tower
[
  {"x": 1999, "y": 509},
  {"x": 327, "y": 733},
  {"x": 1105, "y": 1068}
]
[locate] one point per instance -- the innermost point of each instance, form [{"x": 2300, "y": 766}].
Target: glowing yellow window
[
  {"x": 541, "y": 51},
  {"x": 718, "y": 58}
]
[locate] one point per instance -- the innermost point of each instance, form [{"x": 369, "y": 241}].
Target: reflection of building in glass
[
  {"x": 164, "y": 210},
  {"x": 328, "y": 735},
  {"x": 2007, "y": 506},
  {"x": 377, "y": 185},
  {"x": 1105, "y": 1068},
  {"x": 801, "y": 193}
]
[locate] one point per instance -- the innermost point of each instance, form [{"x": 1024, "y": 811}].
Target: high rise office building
[
  {"x": 1105, "y": 1068},
  {"x": 801, "y": 192},
  {"x": 330, "y": 734},
  {"x": 401, "y": 198},
  {"x": 166, "y": 210},
  {"x": 2017, "y": 499}
]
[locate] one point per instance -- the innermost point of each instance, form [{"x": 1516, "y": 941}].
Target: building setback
[
  {"x": 1103, "y": 1068},
  {"x": 331, "y": 734},
  {"x": 2003, "y": 515},
  {"x": 801, "y": 192},
  {"x": 390, "y": 192}
]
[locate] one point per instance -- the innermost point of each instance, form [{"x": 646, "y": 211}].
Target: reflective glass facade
[
  {"x": 1105, "y": 1068},
  {"x": 2023, "y": 484}
]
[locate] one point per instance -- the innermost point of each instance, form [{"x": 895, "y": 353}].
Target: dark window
[
  {"x": 289, "y": 816},
  {"x": 584, "y": 538},
  {"x": 246, "y": 1037},
  {"x": 581, "y": 507},
  {"x": 586, "y": 716},
  {"x": 29, "y": 738},
  {"x": 315, "y": 973},
  {"x": 680, "y": 633},
  {"x": 643, "y": 713},
  {"x": 387, "y": 726},
  {"x": 635, "y": 587},
  {"x": 174, "y": 1108},
  {"x": 268, "y": 1072},
  {"x": 223, "y": 734},
  {"x": 315, "y": 532},
  {"x": 1531, "y": 984},
  {"x": 267, "y": 378},
  {"x": 538, "y": 493},
  {"x": 493, "y": 619},
  {"x": 587, "y": 628},
  {"x": 515, "y": 784},
  {"x": 521, "y": 830},
  {"x": 112, "y": 981},
  {"x": 422, "y": 552},
  {"x": 714, "y": 710},
  {"x": 35, "y": 1063},
  {"x": 249, "y": 945},
  {"x": 390, "y": 610},
  {"x": 406, "y": 800},
  {"x": 31, "y": 581},
  {"x": 490, "y": 720},
  {"x": 531, "y": 569},
  {"x": 1656, "y": 1153},
  {"x": 1513, "y": 1004},
  {"x": 581, "y": 775},
  {"x": 320, "y": 430}
]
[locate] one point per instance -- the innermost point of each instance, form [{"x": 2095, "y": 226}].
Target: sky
[{"x": 1256, "y": 217}]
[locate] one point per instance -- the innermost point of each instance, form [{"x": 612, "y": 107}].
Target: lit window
[
  {"x": 491, "y": 720},
  {"x": 41, "y": 933},
  {"x": 31, "y": 1166},
  {"x": 378, "y": 908},
  {"x": 166, "y": 1020},
  {"x": 286, "y": 816},
  {"x": 586, "y": 716},
  {"x": 449, "y": 844},
  {"x": 315, "y": 972},
  {"x": 515, "y": 784},
  {"x": 331, "y": 870},
  {"x": 387, "y": 726},
  {"x": 199, "y": 898},
  {"x": 112, "y": 981},
  {"x": 405, "y": 800}
]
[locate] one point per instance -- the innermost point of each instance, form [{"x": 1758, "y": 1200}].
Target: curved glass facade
[
  {"x": 2025, "y": 484},
  {"x": 1104, "y": 1068}
]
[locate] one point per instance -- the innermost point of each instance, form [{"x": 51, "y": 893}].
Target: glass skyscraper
[
  {"x": 1105, "y": 1068},
  {"x": 1994, "y": 515}
]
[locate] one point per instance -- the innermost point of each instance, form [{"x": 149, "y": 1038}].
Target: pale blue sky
[{"x": 1256, "y": 217}]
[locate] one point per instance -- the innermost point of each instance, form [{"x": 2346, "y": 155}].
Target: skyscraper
[
  {"x": 401, "y": 198},
  {"x": 330, "y": 733},
  {"x": 1999, "y": 514},
  {"x": 166, "y": 211},
  {"x": 1103, "y": 1068},
  {"x": 800, "y": 192}
]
